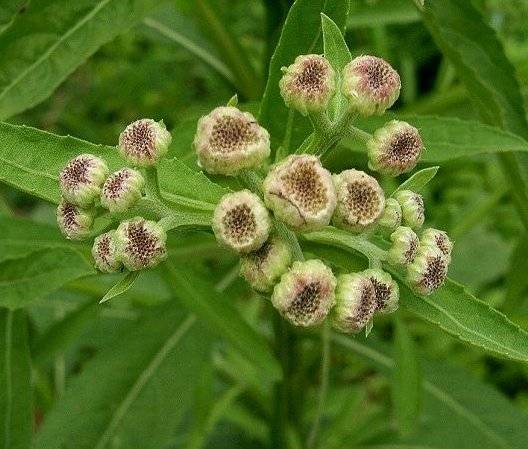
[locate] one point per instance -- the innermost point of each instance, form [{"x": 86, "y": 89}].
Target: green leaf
[
  {"x": 337, "y": 52},
  {"x": 120, "y": 286},
  {"x": 461, "y": 412},
  {"x": 478, "y": 57},
  {"x": 462, "y": 315},
  {"x": 418, "y": 180},
  {"x": 447, "y": 138},
  {"x": 135, "y": 391},
  {"x": 200, "y": 297},
  {"x": 9, "y": 10},
  {"x": 42, "y": 272},
  {"x": 300, "y": 35},
  {"x": 61, "y": 335},
  {"x": 31, "y": 159},
  {"x": 16, "y": 418},
  {"x": 474, "y": 50},
  {"x": 407, "y": 382},
  {"x": 37, "y": 54},
  {"x": 20, "y": 237},
  {"x": 381, "y": 13},
  {"x": 517, "y": 281}
]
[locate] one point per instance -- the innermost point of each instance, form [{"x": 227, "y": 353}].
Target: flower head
[
  {"x": 413, "y": 208},
  {"x": 385, "y": 289},
  {"x": 241, "y": 221},
  {"x": 300, "y": 192},
  {"x": 105, "y": 254},
  {"x": 404, "y": 247},
  {"x": 360, "y": 200},
  {"x": 308, "y": 84},
  {"x": 263, "y": 268},
  {"x": 392, "y": 215},
  {"x": 395, "y": 148},
  {"x": 428, "y": 270},
  {"x": 370, "y": 84},
  {"x": 140, "y": 243},
  {"x": 74, "y": 222},
  {"x": 228, "y": 140},
  {"x": 438, "y": 239},
  {"x": 355, "y": 302},
  {"x": 305, "y": 294},
  {"x": 122, "y": 190},
  {"x": 81, "y": 179},
  {"x": 144, "y": 142}
]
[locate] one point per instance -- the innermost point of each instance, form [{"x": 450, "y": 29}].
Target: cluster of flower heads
[
  {"x": 299, "y": 192},
  {"x": 87, "y": 186}
]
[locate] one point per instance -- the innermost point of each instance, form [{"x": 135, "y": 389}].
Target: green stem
[
  {"x": 252, "y": 180},
  {"x": 152, "y": 187},
  {"x": 281, "y": 403},
  {"x": 323, "y": 389},
  {"x": 359, "y": 133},
  {"x": 321, "y": 123},
  {"x": 290, "y": 237}
]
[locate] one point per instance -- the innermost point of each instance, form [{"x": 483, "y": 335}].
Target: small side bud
[
  {"x": 428, "y": 270},
  {"x": 360, "y": 200},
  {"x": 437, "y": 239},
  {"x": 392, "y": 215},
  {"x": 74, "y": 222},
  {"x": 263, "y": 268},
  {"x": 370, "y": 84},
  {"x": 395, "y": 148},
  {"x": 305, "y": 294},
  {"x": 144, "y": 142},
  {"x": 355, "y": 303},
  {"x": 122, "y": 190},
  {"x": 81, "y": 179},
  {"x": 300, "y": 192},
  {"x": 404, "y": 247},
  {"x": 105, "y": 254},
  {"x": 413, "y": 208},
  {"x": 308, "y": 84},
  {"x": 241, "y": 221},
  {"x": 386, "y": 290},
  {"x": 228, "y": 140},
  {"x": 140, "y": 243}
]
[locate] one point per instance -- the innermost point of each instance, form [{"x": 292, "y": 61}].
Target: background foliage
[{"x": 189, "y": 356}]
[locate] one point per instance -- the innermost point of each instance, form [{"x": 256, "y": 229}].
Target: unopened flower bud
[
  {"x": 228, "y": 140},
  {"x": 263, "y": 268},
  {"x": 370, "y": 84},
  {"x": 74, "y": 222},
  {"x": 308, "y": 84},
  {"x": 428, "y": 270},
  {"x": 395, "y": 148},
  {"x": 144, "y": 142},
  {"x": 105, "y": 254},
  {"x": 305, "y": 294},
  {"x": 122, "y": 190},
  {"x": 300, "y": 192},
  {"x": 385, "y": 288},
  {"x": 439, "y": 239},
  {"x": 355, "y": 303},
  {"x": 81, "y": 179},
  {"x": 392, "y": 215},
  {"x": 413, "y": 209},
  {"x": 140, "y": 243},
  {"x": 360, "y": 200},
  {"x": 404, "y": 247},
  {"x": 241, "y": 221}
]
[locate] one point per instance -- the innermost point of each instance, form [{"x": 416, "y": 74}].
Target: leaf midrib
[
  {"x": 55, "y": 45},
  {"x": 142, "y": 381},
  {"x": 440, "y": 394}
]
